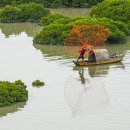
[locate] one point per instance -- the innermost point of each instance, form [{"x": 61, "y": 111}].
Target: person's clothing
[
  {"x": 81, "y": 56},
  {"x": 82, "y": 52},
  {"x": 90, "y": 53},
  {"x": 91, "y": 56}
]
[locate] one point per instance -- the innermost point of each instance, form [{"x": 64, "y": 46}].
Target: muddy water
[
  {"x": 71, "y": 12},
  {"x": 93, "y": 98}
]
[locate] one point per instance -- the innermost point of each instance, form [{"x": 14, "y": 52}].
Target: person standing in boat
[{"x": 82, "y": 52}]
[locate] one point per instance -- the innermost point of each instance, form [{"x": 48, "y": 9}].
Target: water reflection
[
  {"x": 56, "y": 52},
  {"x": 11, "y": 109},
  {"x": 87, "y": 93},
  {"x": 17, "y": 28},
  {"x": 98, "y": 70},
  {"x": 86, "y": 96}
]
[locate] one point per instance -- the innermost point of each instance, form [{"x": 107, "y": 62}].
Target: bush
[
  {"x": 38, "y": 83},
  {"x": 23, "y": 13},
  {"x": 51, "y": 18},
  {"x": 54, "y": 3},
  {"x": 56, "y": 32},
  {"x": 33, "y": 12},
  {"x": 53, "y": 34},
  {"x": 115, "y": 9},
  {"x": 12, "y": 92},
  {"x": 5, "y": 2},
  {"x": 10, "y": 14},
  {"x": 118, "y": 29}
]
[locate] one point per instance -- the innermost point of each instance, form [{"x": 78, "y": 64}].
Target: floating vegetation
[
  {"x": 12, "y": 92},
  {"x": 38, "y": 83}
]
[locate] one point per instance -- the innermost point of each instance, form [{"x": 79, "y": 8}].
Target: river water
[{"x": 74, "y": 98}]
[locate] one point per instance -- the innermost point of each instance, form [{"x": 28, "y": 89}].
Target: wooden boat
[{"x": 101, "y": 57}]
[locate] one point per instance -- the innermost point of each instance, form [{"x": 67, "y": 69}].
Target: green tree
[
  {"x": 10, "y": 14},
  {"x": 57, "y": 31},
  {"x": 115, "y": 9},
  {"x": 31, "y": 12}
]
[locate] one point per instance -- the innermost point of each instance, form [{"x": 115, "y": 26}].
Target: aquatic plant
[
  {"x": 51, "y": 18},
  {"x": 12, "y": 92},
  {"x": 57, "y": 32},
  {"x": 53, "y": 3},
  {"x": 38, "y": 83},
  {"x": 53, "y": 34},
  {"x": 31, "y": 12},
  {"x": 118, "y": 10}
]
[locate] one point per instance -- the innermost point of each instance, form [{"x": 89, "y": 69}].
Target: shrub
[
  {"x": 23, "y": 13},
  {"x": 10, "y": 14},
  {"x": 115, "y": 9},
  {"x": 12, "y": 92},
  {"x": 56, "y": 32},
  {"x": 33, "y": 12},
  {"x": 118, "y": 29},
  {"x": 63, "y": 21},
  {"x": 53, "y": 34},
  {"x": 54, "y": 3},
  {"x": 38, "y": 83},
  {"x": 51, "y": 18},
  {"x": 5, "y": 2}
]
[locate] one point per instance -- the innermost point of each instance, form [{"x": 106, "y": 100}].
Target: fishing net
[
  {"x": 85, "y": 95},
  {"x": 88, "y": 36}
]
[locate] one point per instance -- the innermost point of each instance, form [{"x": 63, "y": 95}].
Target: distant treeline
[{"x": 54, "y": 3}]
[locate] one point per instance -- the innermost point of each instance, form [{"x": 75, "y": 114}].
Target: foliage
[
  {"x": 94, "y": 2},
  {"x": 23, "y": 13},
  {"x": 88, "y": 35},
  {"x": 12, "y": 92},
  {"x": 51, "y": 18},
  {"x": 10, "y": 14},
  {"x": 38, "y": 83},
  {"x": 115, "y": 9},
  {"x": 53, "y": 3},
  {"x": 5, "y": 2},
  {"x": 33, "y": 12},
  {"x": 56, "y": 32},
  {"x": 118, "y": 30},
  {"x": 53, "y": 34}
]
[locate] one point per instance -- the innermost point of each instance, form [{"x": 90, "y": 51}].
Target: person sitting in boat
[
  {"x": 91, "y": 56},
  {"x": 82, "y": 52}
]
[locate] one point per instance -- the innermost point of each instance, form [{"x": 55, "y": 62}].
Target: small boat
[{"x": 101, "y": 57}]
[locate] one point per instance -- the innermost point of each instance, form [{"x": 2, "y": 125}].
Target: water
[
  {"x": 71, "y": 12},
  {"x": 93, "y": 98}
]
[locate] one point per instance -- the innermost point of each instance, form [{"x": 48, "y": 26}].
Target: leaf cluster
[
  {"x": 118, "y": 10},
  {"x": 53, "y": 3},
  {"x": 12, "y": 92},
  {"x": 51, "y": 18},
  {"x": 38, "y": 83},
  {"x": 57, "y": 31},
  {"x": 31, "y": 12}
]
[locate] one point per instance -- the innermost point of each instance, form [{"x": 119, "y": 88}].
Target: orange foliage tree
[{"x": 88, "y": 35}]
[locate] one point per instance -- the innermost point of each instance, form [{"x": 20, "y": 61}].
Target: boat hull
[{"x": 118, "y": 58}]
